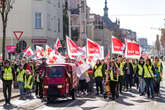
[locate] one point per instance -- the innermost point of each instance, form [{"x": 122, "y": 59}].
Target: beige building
[
  {"x": 97, "y": 32},
  {"x": 40, "y": 20}
]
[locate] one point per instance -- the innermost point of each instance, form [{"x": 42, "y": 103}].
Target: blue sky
[{"x": 139, "y": 15}]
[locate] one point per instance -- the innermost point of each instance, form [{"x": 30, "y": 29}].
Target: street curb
[{"x": 2, "y": 100}]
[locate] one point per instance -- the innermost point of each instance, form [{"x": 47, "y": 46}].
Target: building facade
[
  {"x": 128, "y": 34},
  {"x": 41, "y": 22},
  {"x": 78, "y": 20},
  {"x": 143, "y": 42}
]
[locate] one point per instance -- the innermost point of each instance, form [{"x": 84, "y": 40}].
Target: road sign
[{"x": 18, "y": 34}]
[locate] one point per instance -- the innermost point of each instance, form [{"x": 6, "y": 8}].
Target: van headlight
[
  {"x": 46, "y": 86},
  {"x": 60, "y": 86}
]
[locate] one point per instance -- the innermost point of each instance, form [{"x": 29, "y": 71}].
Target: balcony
[{"x": 75, "y": 11}]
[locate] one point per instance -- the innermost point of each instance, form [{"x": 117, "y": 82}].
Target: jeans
[
  {"x": 150, "y": 86},
  {"x": 113, "y": 85},
  {"x": 39, "y": 89},
  {"x": 142, "y": 85},
  {"x": 21, "y": 88},
  {"x": 7, "y": 88},
  {"x": 121, "y": 80},
  {"x": 99, "y": 84},
  {"x": 82, "y": 85},
  {"x": 128, "y": 81}
]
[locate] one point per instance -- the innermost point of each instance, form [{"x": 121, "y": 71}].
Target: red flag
[
  {"x": 57, "y": 45},
  {"x": 132, "y": 50},
  {"x": 117, "y": 46},
  {"x": 48, "y": 50},
  {"x": 107, "y": 56},
  {"x": 28, "y": 52},
  {"x": 73, "y": 48},
  {"x": 40, "y": 52},
  {"x": 92, "y": 48}
]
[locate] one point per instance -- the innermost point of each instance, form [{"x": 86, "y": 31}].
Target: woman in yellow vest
[
  {"x": 120, "y": 65},
  {"x": 8, "y": 76},
  {"x": 28, "y": 83},
  {"x": 112, "y": 77},
  {"x": 98, "y": 74},
  {"x": 140, "y": 81},
  {"x": 148, "y": 72},
  {"x": 158, "y": 75},
  {"x": 20, "y": 80}
]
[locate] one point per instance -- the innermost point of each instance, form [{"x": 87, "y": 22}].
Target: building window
[
  {"x": 48, "y": 23},
  {"x": 82, "y": 7},
  {"x": 59, "y": 25},
  {"x": 58, "y": 3},
  {"x": 38, "y": 20}
]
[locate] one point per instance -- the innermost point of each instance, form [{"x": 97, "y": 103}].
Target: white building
[{"x": 40, "y": 20}]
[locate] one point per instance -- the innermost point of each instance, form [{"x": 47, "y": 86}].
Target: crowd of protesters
[
  {"x": 122, "y": 74},
  {"x": 111, "y": 76},
  {"x": 23, "y": 74}
]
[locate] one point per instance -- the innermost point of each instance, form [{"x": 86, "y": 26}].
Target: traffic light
[
  {"x": 20, "y": 46},
  {"x": 23, "y": 45},
  {"x": 18, "y": 50}
]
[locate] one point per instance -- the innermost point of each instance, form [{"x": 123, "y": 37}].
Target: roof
[{"x": 108, "y": 23}]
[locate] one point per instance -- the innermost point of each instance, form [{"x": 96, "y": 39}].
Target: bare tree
[{"x": 5, "y": 7}]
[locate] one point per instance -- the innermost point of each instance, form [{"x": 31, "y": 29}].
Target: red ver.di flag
[
  {"x": 93, "y": 48},
  {"x": 132, "y": 50},
  {"x": 117, "y": 46},
  {"x": 73, "y": 48},
  {"x": 40, "y": 53},
  {"x": 48, "y": 51},
  {"x": 28, "y": 52},
  {"x": 57, "y": 45}
]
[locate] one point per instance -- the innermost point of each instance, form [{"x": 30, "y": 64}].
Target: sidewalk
[{"x": 15, "y": 92}]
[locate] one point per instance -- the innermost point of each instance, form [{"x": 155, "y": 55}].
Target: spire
[{"x": 106, "y": 9}]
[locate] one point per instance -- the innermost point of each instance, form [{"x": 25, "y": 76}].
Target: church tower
[{"x": 106, "y": 9}]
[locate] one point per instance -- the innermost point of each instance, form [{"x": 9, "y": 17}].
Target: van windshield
[{"x": 57, "y": 71}]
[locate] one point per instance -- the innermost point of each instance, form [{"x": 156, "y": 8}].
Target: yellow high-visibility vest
[
  {"x": 20, "y": 76},
  {"x": 148, "y": 73},
  {"x": 140, "y": 71},
  {"x": 8, "y": 75},
  {"x": 98, "y": 72},
  {"x": 27, "y": 82},
  {"x": 111, "y": 75},
  {"x": 121, "y": 68},
  {"x": 159, "y": 66}
]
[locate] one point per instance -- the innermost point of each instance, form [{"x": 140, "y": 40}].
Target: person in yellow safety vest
[
  {"x": 148, "y": 72},
  {"x": 158, "y": 66},
  {"x": 120, "y": 66},
  {"x": 134, "y": 77},
  {"x": 98, "y": 75},
  {"x": 139, "y": 71},
  {"x": 20, "y": 80},
  {"x": 28, "y": 83},
  {"x": 8, "y": 76},
  {"x": 112, "y": 77}
]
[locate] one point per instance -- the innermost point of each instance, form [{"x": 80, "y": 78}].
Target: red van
[{"x": 60, "y": 81}]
